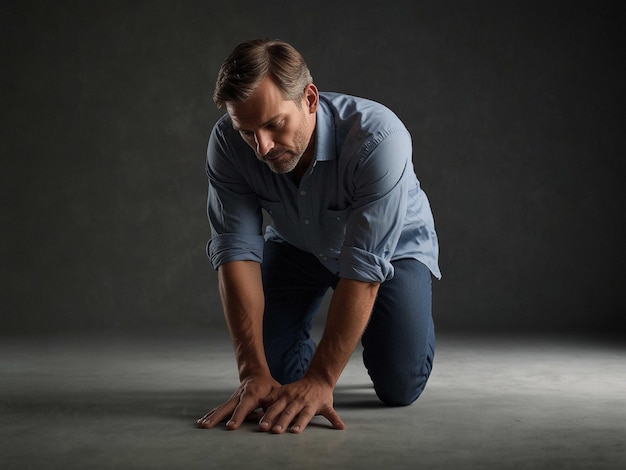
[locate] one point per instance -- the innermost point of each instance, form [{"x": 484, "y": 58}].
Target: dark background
[{"x": 516, "y": 110}]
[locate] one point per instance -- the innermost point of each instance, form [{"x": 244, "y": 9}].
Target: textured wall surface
[{"x": 516, "y": 111}]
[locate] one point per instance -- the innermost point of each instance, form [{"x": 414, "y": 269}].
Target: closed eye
[
  {"x": 272, "y": 125},
  {"x": 276, "y": 125}
]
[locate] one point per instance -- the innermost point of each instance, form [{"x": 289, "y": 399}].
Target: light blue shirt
[{"x": 358, "y": 207}]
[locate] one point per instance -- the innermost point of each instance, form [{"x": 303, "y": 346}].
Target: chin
[{"x": 284, "y": 167}]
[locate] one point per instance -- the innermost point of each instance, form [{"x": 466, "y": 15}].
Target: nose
[{"x": 264, "y": 142}]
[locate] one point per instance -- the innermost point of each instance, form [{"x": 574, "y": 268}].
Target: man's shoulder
[
  {"x": 369, "y": 115},
  {"x": 223, "y": 123},
  {"x": 346, "y": 102},
  {"x": 224, "y": 139},
  {"x": 223, "y": 130}
]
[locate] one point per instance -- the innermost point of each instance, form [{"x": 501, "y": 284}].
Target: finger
[
  {"x": 215, "y": 416},
  {"x": 304, "y": 418},
  {"x": 272, "y": 413},
  {"x": 285, "y": 418},
  {"x": 201, "y": 422},
  {"x": 242, "y": 410},
  {"x": 333, "y": 417},
  {"x": 255, "y": 416}
]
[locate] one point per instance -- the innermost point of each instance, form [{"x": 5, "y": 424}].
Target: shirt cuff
[
  {"x": 361, "y": 265},
  {"x": 234, "y": 247}
]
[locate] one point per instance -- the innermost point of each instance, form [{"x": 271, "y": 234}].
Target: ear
[{"x": 311, "y": 98}]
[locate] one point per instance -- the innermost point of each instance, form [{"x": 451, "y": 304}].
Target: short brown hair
[{"x": 251, "y": 61}]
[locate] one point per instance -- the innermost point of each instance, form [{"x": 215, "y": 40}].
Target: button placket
[
  {"x": 304, "y": 208},
  {"x": 308, "y": 223}
]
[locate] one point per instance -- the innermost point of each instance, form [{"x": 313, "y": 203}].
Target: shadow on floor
[
  {"x": 359, "y": 396},
  {"x": 176, "y": 405}
]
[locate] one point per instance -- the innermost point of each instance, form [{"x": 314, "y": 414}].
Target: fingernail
[
  {"x": 277, "y": 428},
  {"x": 264, "y": 424},
  {"x": 296, "y": 428}
]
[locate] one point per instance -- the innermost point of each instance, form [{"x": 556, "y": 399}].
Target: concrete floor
[{"x": 112, "y": 402}]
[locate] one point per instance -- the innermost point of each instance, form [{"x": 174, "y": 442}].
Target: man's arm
[
  {"x": 348, "y": 314},
  {"x": 241, "y": 291}
]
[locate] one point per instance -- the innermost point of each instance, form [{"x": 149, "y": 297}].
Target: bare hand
[
  {"x": 241, "y": 405},
  {"x": 298, "y": 402}
]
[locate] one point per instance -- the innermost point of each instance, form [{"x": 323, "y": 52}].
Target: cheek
[
  {"x": 297, "y": 132},
  {"x": 300, "y": 136},
  {"x": 283, "y": 139}
]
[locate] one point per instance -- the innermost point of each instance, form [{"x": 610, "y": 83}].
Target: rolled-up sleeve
[
  {"x": 233, "y": 209},
  {"x": 234, "y": 247},
  {"x": 355, "y": 263},
  {"x": 382, "y": 178}
]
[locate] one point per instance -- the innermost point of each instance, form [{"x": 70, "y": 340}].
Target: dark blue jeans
[{"x": 398, "y": 343}]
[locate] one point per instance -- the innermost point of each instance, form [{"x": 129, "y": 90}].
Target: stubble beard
[
  {"x": 283, "y": 165},
  {"x": 288, "y": 159}
]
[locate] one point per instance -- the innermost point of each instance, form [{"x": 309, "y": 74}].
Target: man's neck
[{"x": 305, "y": 161}]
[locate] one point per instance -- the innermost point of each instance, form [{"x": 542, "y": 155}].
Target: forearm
[
  {"x": 348, "y": 314},
  {"x": 241, "y": 291}
]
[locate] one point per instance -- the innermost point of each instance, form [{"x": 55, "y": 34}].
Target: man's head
[
  {"x": 251, "y": 61},
  {"x": 266, "y": 88}
]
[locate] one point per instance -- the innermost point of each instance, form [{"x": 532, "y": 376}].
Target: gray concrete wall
[{"x": 516, "y": 111}]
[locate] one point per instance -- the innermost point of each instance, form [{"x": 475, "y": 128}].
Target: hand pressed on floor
[{"x": 298, "y": 403}]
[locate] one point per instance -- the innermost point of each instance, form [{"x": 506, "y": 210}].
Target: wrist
[
  {"x": 253, "y": 370},
  {"x": 321, "y": 376}
]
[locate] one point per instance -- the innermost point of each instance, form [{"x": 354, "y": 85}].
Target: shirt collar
[{"x": 324, "y": 133}]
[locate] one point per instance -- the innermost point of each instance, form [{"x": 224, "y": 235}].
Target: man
[{"x": 335, "y": 175}]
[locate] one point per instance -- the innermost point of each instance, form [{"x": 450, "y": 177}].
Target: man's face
[{"x": 276, "y": 129}]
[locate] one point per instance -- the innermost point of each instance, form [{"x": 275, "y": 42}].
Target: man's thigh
[
  {"x": 399, "y": 342},
  {"x": 292, "y": 280},
  {"x": 294, "y": 283}
]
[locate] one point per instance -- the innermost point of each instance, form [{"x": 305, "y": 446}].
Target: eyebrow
[{"x": 273, "y": 118}]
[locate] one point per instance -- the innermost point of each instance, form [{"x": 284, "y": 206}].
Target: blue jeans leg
[
  {"x": 399, "y": 342},
  {"x": 294, "y": 283}
]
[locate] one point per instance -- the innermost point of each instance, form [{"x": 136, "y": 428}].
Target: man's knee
[
  {"x": 400, "y": 392},
  {"x": 289, "y": 364},
  {"x": 401, "y": 385}
]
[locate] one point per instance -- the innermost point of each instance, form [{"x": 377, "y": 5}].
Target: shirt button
[
  {"x": 306, "y": 222},
  {"x": 303, "y": 193}
]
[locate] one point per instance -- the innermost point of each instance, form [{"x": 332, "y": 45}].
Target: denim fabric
[{"x": 398, "y": 343}]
